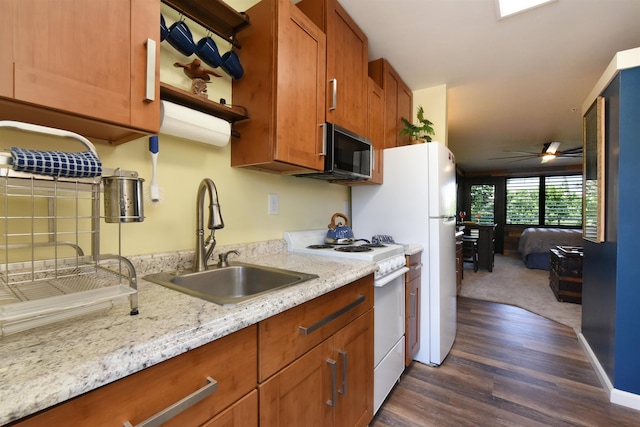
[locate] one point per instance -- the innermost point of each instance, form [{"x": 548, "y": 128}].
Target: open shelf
[
  {"x": 179, "y": 96},
  {"x": 226, "y": 22},
  {"x": 214, "y": 15}
]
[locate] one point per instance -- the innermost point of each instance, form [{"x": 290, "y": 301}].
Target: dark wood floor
[{"x": 507, "y": 367}]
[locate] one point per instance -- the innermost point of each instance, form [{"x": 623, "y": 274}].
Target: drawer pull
[
  {"x": 307, "y": 330},
  {"x": 332, "y": 364},
  {"x": 173, "y": 410},
  {"x": 343, "y": 355}
]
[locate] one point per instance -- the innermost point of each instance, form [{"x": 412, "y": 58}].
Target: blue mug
[
  {"x": 181, "y": 39},
  {"x": 164, "y": 31},
  {"x": 231, "y": 64},
  {"x": 207, "y": 50}
]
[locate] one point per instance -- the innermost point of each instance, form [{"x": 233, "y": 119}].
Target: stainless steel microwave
[{"x": 347, "y": 156}]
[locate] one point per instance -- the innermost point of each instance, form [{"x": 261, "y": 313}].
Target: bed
[{"x": 535, "y": 243}]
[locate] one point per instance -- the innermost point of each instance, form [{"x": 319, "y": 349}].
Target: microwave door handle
[
  {"x": 372, "y": 167},
  {"x": 323, "y": 127}
]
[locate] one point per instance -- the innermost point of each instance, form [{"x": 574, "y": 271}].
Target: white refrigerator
[{"x": 417, "y": 204}]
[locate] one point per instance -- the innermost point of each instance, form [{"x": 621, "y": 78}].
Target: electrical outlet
[{"x": 274, "y": 202}]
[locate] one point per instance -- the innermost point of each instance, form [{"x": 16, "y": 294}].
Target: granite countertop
[
  {"x": 53, "y": 363},
  {"x": 412, "y": 248}
]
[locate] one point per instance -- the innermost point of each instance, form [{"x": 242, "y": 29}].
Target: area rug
[{"x": 513, "y": 283}]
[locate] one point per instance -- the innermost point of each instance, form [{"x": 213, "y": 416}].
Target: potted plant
[{"x": 421, "y": 131}]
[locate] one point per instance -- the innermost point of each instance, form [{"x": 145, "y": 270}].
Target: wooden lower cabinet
[
  {"x": 331, "y": 382},
  {"x": 412, "y": 307},
  {"x": 231, "y": 361},
  {"x": 284, "y": 399},
  {"x": 459, "y": 263},
  {"x": 331, "y": 385},
  {"x": 243, "y": 413},
  {"x": 315, "y": 362},
  {"x": 354, "y": 347}
]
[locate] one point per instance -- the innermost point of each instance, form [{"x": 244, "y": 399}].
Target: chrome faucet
[
  {"x": 222, "y": 258},
  {"x": 205, "y": 249}
]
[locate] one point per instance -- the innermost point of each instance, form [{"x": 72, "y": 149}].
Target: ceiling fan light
[
  {"x": 548, "y": 157},
  {"x": 552, "y": 147}
]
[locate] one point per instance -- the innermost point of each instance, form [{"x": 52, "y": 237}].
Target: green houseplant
[{"x": 421, "y": 131}]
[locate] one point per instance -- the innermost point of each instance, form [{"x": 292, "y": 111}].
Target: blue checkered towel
[{"x": 84, "y": 164}]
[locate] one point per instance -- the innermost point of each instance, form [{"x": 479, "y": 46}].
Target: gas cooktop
[{"x": 312, "y": 242}]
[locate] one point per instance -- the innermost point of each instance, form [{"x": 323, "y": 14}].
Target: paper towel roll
[{"x": 186, "y": 123}]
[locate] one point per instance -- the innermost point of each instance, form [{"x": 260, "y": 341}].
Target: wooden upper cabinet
[
  {"x": 81, "y": 65},
  {"x": 398, "y": 101},
  {"x": 283, "y": 54},
  {"x": 375, "y": 129},
  {"x": 405, "y": 109},
  {"x": 7, "y": 13},
  {"x": 347, "y": 56}
]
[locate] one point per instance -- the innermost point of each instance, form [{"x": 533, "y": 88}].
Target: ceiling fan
[{"x": 549, "y": 152}]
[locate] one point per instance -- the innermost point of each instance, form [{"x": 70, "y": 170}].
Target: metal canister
[{"x": 123, "y": 199}]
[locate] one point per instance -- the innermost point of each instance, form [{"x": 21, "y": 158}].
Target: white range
[{"x": 389, "y": 300}]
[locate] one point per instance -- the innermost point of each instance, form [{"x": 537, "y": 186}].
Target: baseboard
[
  {"x": 600, "y": 372},
  {"x": 619, "y": 397}
]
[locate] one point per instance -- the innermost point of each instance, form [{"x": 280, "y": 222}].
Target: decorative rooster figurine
[{"x": 198, "y": 74}]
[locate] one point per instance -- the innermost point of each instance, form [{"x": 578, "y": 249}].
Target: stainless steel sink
[{"x": 230, "y": 285}]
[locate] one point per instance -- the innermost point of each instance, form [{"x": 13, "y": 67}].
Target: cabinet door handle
[
  {"x": 307, "y": 330},
  {"x": 412, "y": 305},
  {"x": 334, "y": 94},
  {"x": 343, "y": 355},
  {"x": 332, "y": 364},
  {"x": 150, "y": 86},
  {"x": 173, "y": 410}
]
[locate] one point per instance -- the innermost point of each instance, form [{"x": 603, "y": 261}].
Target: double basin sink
[{"x": 232, "y": 284}]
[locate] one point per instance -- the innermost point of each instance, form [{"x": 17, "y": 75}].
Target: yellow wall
[
  {"x": 434, "y": 101},
  {"x": 243, "y": 194}
]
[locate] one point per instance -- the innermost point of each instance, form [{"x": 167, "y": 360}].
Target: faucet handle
[{"x": 222, "y": 258}]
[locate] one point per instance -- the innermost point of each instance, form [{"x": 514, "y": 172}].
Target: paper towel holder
[{"x": 228, "y": 112}]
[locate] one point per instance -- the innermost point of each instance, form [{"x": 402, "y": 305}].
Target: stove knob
[{"x": 383, "y": 268}]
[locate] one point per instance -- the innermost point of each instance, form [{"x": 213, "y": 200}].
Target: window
[
  {"x": 551, "y": 201},
  {"x": 482, "y": 202},
  {"x": 523, "y": 200},
  {"x": 563, "y": 200}
]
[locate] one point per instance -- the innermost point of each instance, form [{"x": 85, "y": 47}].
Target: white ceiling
[{"x": 514, "y": 83}]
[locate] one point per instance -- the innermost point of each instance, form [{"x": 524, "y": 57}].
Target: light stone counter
[
  {"x": 412, "y": 248},
  {"x": 50, "y": 364}
]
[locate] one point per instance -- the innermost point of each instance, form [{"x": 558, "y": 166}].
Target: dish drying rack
[{"x": 51, "y": 268}]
